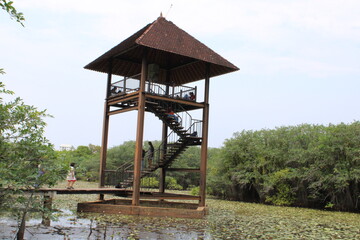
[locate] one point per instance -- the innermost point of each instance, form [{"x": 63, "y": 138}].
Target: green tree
[
  {"x": 305, "y": 165},
  {"x": 23, "y": 152},
  {"x": 188, "y": 159},
  {"x": 86, "y": 159}
]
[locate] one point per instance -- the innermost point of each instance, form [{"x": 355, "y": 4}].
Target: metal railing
[
  {"x": 122, "y": 173},
  {"x": 183, "y": 92},
  {"x": 132, "y": 84},
  {"x": 183, "y": 117}
]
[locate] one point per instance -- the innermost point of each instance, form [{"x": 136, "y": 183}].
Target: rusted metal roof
[{"x": 176, "y": 52}]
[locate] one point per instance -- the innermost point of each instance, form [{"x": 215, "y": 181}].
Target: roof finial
[{"x": 161, "y": 14}]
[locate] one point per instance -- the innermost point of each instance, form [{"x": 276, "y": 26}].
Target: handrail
[{"x": 132, "y": 84}]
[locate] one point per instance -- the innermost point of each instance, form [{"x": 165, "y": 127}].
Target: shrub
[{"x": 172, "y": 184}]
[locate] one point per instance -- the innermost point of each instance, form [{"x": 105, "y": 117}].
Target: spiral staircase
[{"x": 183, "y": 134}]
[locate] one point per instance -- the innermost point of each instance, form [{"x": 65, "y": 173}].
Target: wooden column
[
  {"x": 204, "y": 144},
  {"x": 139, "y": 133},
  {"x": 164, "y": 147},
  {"x": 105, "y": 132},
  {"x": 162, "y": 155}
]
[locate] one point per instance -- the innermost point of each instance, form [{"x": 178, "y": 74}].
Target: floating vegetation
[{"x": 227, "y": 220}]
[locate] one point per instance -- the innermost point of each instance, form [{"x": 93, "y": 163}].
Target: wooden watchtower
[{"x": 156, "y": 63}]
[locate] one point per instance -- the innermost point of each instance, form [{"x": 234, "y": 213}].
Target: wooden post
[
  {"x": 105, "y": 133},
  {"x": 48, "y": 197},
  {"x": 164, "y": 141},
  {"x": 163, "y": 152},
  {"x": 203, "y": 160},
  {"x": 139, "y": 133}
]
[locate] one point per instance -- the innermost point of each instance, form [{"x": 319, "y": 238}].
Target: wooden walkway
[
  {"x": 116, "y": 206},
  {"x": 116, "y": 191}
]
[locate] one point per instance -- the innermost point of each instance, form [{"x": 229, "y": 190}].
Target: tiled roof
[{"x": 170, "y": 47}]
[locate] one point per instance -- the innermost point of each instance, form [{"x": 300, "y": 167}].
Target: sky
[{"x": 299, "y": 62}]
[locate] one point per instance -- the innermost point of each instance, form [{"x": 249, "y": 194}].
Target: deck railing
[{"x": 132, "y": 84}]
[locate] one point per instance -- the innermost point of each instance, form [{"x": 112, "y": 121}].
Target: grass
[{"x": 231, "y": 220}]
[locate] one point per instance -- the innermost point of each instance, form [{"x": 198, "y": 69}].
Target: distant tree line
[
  {"x": 307, "y": 165},
  {"x": 87, "y": 161}
]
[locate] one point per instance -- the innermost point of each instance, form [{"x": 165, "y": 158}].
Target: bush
[
  {"x": 149, "y": 182},
  {"x": 172, "y": 184},
  {"x": 195, "y": 191}
]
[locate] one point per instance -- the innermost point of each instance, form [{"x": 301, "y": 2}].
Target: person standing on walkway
[
  {"x": 150, "y": 154},
  {"x": 71, "y": 177}
]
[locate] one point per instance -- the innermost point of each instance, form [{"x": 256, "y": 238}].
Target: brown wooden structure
[{"x": 156, "y": 63}]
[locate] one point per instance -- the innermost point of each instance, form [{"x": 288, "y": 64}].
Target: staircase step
[
  {"x": 182, "y": 131},
  {"x": 150, "y": 102},
  {"x": 176, "y": 145}
]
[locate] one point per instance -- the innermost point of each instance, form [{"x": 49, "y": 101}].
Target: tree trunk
[{"x": 21, "y": 232}]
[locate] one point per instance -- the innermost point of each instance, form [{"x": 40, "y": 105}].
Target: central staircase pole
[
  {"x": 139, "y": 133},
  {"x": 164, "y": 146}
]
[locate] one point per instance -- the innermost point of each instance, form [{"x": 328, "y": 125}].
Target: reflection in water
[{"x": 97, "y": 226}]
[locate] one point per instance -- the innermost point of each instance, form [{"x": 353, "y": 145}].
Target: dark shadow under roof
[{"x": 176, "y": 52}]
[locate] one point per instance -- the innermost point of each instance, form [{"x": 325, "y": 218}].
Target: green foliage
[
  {"x": 118, "y": 155},
  {"x": 188, "y": 159},
  {"x": 149, "y": 182},
  {"x": 23, "y": 146},
  {"x": 172, "y": 184},
  {"x": 280, "y": 182},
  {"x": 195, "y": 191},
  {"x": 27, "y": 159},
  {"x": 153, "y": 182},
  {"x": 329, "y": 205},
  {"x": 305, "y": 165},
  {"x": 86, "y": 159},
  {"x": 227, "y": 220},
  {"x": 11, "y": 10}
]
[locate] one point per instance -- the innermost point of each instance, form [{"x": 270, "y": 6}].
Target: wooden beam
[
  {"x": 204, "y": 144},
  {"x": 175, "y": 197},
  {"x": 166, "y": 98},
  {"x": 122, "y": 110},
  {"x": 105, "y": 133},
  {"x": 118, "y": 191},
  {"x": 139, "y": 133},
  {"x": 125, "y": 51},
  {"x": 184, "y": 65},
  {"x": 123, "y": 98},
  {"x": 121, "y": 191}
]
